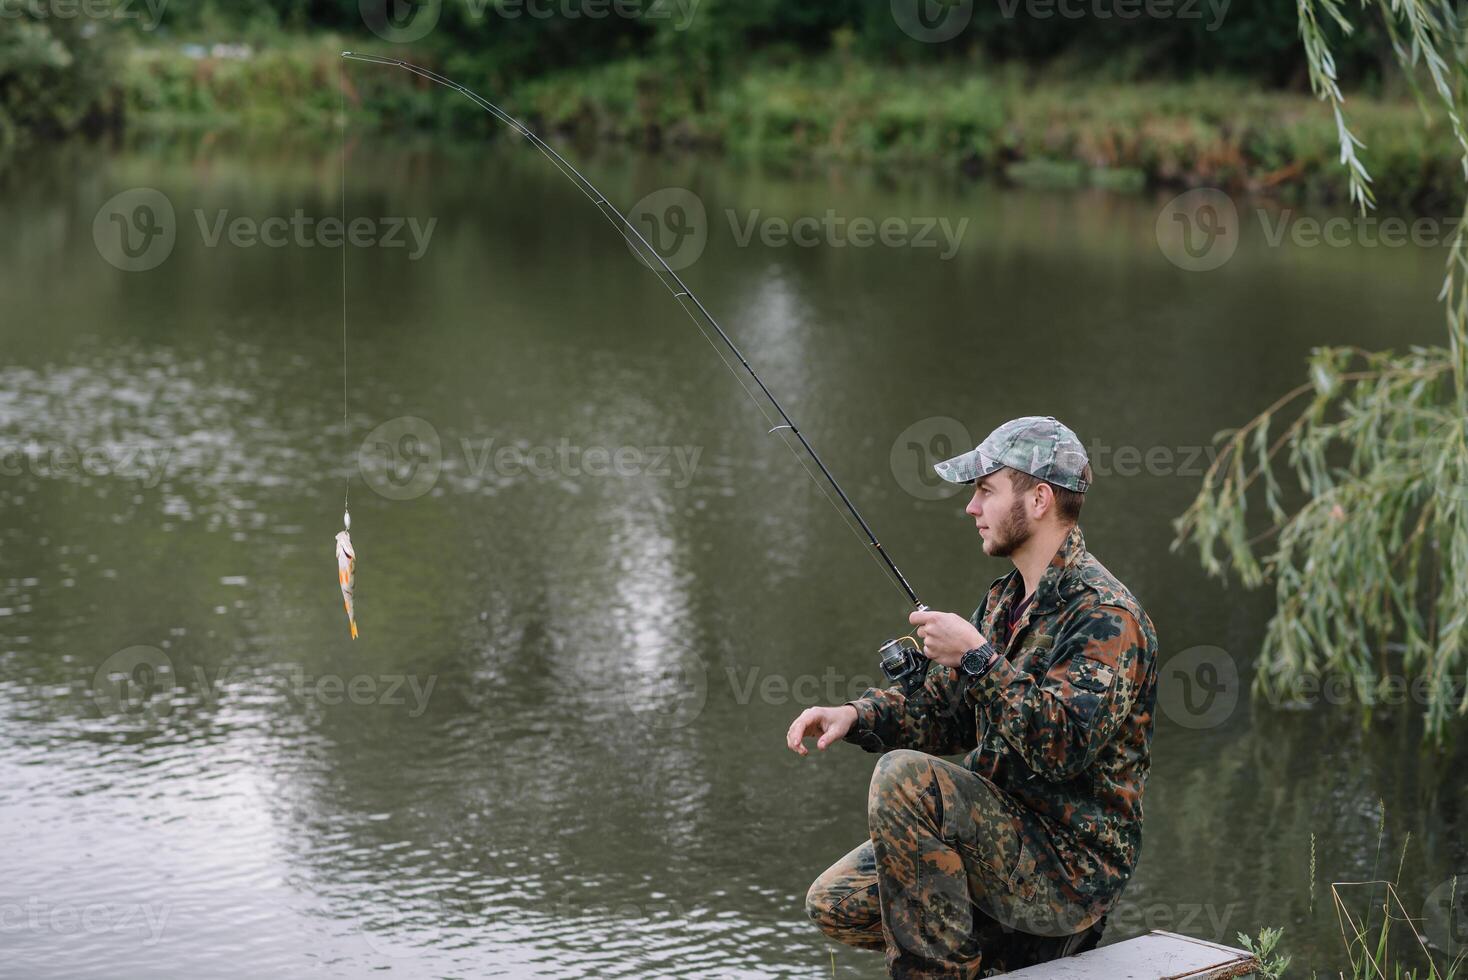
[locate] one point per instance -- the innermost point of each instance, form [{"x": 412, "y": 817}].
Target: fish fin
[{"x": 354, "y": 629}]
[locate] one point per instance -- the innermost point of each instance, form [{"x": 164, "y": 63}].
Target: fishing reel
[{"x": 903, "y": 662}]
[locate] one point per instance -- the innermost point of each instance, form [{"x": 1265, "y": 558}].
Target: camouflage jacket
[{"x": 1062, "y": 722}]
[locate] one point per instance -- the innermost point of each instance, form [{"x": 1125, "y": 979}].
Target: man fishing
[{"x": 1049, "y": 688}]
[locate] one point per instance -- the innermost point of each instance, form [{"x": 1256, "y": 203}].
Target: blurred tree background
[{"x": 839, "y": 78}]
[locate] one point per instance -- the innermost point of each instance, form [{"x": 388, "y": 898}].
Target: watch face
[{"x": 972, "y": 661}]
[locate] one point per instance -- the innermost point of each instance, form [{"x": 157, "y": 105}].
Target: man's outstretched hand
[{"x": 828, "y": 723}]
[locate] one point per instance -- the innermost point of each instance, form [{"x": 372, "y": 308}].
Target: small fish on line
[{"x": 346, "y": 570}]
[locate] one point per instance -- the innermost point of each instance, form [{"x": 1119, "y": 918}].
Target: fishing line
[
  {"x": 346, "y": 419},
  {"x": 346, "y": 552},
  {"x": 691, "y": 305}
]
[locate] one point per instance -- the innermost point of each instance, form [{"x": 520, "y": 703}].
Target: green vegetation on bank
[
  {"x": 1197, "y": 93},
  {"x": 1005, "y": 120}
]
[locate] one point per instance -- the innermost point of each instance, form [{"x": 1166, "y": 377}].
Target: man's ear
[{"x": 1043, "y": 501}]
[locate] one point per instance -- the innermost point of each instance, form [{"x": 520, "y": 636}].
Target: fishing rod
[{"x": 901, "y": 659}]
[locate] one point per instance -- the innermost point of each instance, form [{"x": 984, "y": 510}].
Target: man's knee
[
  {"x": 899, "y": 775},
  {"x": 846, "y": 909},
  {"x": 819, "y": 901}
]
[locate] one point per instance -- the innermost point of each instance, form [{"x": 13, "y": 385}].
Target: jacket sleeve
[
  {"x": 1059, "y": 722},
  {"x": 937, "y": 719}
]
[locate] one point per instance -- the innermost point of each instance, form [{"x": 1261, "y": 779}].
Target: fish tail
[{"x": 354, "y": 628}]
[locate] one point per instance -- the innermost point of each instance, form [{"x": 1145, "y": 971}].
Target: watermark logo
[
  {"x": 1215, "y": 10},
  {"x": 404, "y": 458},
  {"x": 136, "y": 682},
  {"x": 1445, "y": 916},
  {"x": 932, "y": 21},
  {"x": 1198, "y": 230},
  {"x": 400, "y": 21},
  {"x": 675, "y": 223},
  {"x": 148, "y": 13},
  {"x": 921, "y": 445},
  {"x": 139, "y": 683},
  {"x": 136, "y": 229},
  {"x": 672, "y": 698},
  {"x": 301, "y": 230},
  {"x": 96, "y": 919},
  {"x": 1199, "y": 687},
  {"x": 839, "y": 231},
  {"x": 147, "y": 465},
  {"x": 929, "y": 916},
  {"x": 401, "y": 459},
  {"x": 406, "y": 21},
  {"x": 1362, "y": 230}
]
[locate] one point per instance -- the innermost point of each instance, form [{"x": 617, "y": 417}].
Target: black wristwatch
[{"x": 976, "y": 662}]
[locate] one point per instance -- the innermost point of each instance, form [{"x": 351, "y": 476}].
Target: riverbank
[{"x": 1012, "y": 122}]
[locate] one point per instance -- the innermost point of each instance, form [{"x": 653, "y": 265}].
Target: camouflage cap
[{"x": 1039, "y": 446}]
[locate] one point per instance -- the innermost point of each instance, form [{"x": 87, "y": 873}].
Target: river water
[{"x": 592, "y": 589}]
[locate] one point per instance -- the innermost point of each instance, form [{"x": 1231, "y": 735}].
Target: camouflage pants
[{"x": 948, "y": 870}]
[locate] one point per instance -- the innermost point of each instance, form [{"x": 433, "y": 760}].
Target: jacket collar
[
  {"x": 1053, "y": 584},
  {"x": 1067, "y": 557}
]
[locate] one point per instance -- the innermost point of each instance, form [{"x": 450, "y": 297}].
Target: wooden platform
[{"x": 1155, "y": 956}]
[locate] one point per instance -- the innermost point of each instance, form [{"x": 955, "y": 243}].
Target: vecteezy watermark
[
  {"x": 674, "y": 221},
  {"x": 1211, "y": 11},
  {"x": 137, "y": 230},
  {"x": 1388, "y": 690},
  {"x": 831, "y": 686},
  {"x": 136, "y": 682},
  {"x": 676, "y": 695},
  {"x": 928, "y": 441},
  {"x": 1202, "y": 920},
  {"x": 921, "y": 445},
  {"x": 932, "y": 21},
  {"x": 832, "y": 230},
  {"x": 929, "y": 916},
  {"x": 1200, "y": 230},
  {"x": 146, "y": 465},
  {"x": 304, "y": 231},
  {"x": 1185, "y": 461},
  {"x": 668, "y": 697},
  {"x": 403, "y": 22},
  {"x": 1445, "y": 916},
  {"x": 403, "y": 458},
  {"x": 42, "y": 918},
  {"x": 936, "y": 21},
  {"x": 1199, "y": 687},
  {"x": 140, "y": 683},
  {"x": 1364, "y": 231},
  {"x": 148, "y": 13}
]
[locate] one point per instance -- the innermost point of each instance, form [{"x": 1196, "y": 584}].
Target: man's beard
[{"x": 1011, "y": 533}]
